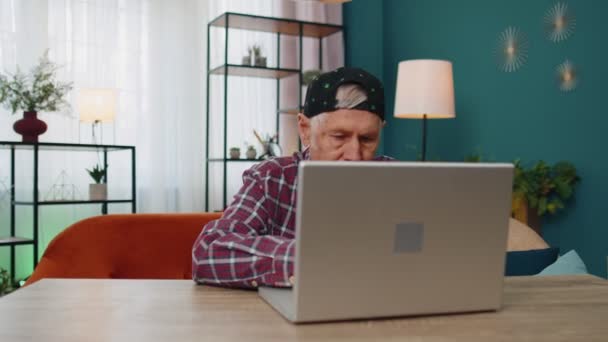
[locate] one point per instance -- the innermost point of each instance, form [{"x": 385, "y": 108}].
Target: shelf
[
  {"x": 275, "y": 25},
  {"x": 215, "y": 160},
  {"x": 70, "y": 202},
  {"x": 15, "y": 240},
  {"x": 293, "y": 111},
  {"x": 252, "y": 71},
  {"x": 61, "y": 146}
]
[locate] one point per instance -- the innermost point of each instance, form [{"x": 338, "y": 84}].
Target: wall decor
[
  {"x": 512, "y": 49},
  {"x": 559, "y": 22},
  {"x": 567, "y": 76}
]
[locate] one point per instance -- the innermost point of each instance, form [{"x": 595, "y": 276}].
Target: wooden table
[{"x": 536, "y": 309}]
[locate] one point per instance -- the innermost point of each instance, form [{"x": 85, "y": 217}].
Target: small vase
[
  {"x": 235, "y": 153},
  {"x": 246, "y": 60},
  {"x": 30, "y": 127},
  {"x": 98, "y": 192},
  {"x": 260, "y": 61},
  {"x": 251, "y": 153}
]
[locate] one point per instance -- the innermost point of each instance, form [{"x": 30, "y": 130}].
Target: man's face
[{"x": 344, "y": 134}]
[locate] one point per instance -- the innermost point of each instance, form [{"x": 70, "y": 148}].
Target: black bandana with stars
[{"x": 321, "y": 93}]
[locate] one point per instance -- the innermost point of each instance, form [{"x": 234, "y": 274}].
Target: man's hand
[{"x": 292, "y": 280}]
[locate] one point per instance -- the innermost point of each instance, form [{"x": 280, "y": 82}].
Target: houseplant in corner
[
  {"x": 32, "y": 93},
  {"x": 6, "y": 285},
  {"x": 98, "y": 191},
  {"x": 542, "y": 189}
]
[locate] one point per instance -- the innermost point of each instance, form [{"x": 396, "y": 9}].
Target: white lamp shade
[
  {"x": 97, "y": 104},
  {"x": 424, "y": 87}
]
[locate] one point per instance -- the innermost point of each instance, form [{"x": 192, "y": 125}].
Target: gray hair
[{"x": 350, "y": 95}]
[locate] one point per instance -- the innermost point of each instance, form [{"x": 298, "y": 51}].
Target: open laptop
[{"x": 382, "y": 239}]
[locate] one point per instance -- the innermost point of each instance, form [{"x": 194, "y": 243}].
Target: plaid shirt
[{"x": 254, "y": 241}]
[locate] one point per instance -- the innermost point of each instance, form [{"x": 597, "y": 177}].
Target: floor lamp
[{"x": 425, "y": 90}]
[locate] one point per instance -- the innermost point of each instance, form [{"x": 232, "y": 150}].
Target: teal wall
[
  {"x": 364, "y": 44},
  {"x": 505, "y": 115}
]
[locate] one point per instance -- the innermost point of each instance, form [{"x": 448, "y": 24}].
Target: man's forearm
[{"x": 240, "y": 260}]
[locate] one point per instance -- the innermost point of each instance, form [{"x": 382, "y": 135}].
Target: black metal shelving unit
[
  {"x": 36, "y": 203},
  {"x": 280, "y": 27}
]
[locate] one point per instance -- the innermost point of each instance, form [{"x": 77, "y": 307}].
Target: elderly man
[{"x": 253, "y": 243}]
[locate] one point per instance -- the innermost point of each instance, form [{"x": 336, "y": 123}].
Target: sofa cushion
[
  {"x": 569, "y": 263},
  {"x": 523, "y": 263}
]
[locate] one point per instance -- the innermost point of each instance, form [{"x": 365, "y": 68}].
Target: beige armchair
[{"x": 523, "y": 238}]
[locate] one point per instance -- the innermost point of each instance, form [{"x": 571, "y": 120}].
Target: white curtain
[
  {"x": 153, "y": 53},
  {"x": 252, "y": 101}
]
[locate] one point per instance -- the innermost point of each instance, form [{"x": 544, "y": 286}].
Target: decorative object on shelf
[
  {"x": 310, "y": 75},
  {"x": 32, "y": 93},
  {"x": 62, "y": 189},
  {"x": 97, "y": 106},
  {"x": 247, "y": 59},
  {"x": 542, "y": 189},
  {"x": 258, "y": 59},
  {"x": 270, "y": 146},
  {"x": 235, "y": 153},
  {"x": 512, "y": 49},
  {"x": 99, "y": 190},
  {"x": 559, "y": 22},
  {"x": 425, "y": 90},
  {"x": 30, "y": 127},
  {"x": 567, "y": 76},
  {"x": 251, "y": 152}
]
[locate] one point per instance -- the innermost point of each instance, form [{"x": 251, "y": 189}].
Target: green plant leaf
[
  {"x": 532, "y": 201},
  {"x": 563, "y": 189},
  {"x": 36, "y": 91},
  {"x": 542, "y": 206},
  {"x": 97, "y": 173}
]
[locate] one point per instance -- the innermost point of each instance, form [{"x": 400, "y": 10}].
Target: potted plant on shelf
[
  {"x": 247, "y": 59},
  {"x": 542, "y": 189},
  {"x": 98, "y": 191},
  {"x": 251, "y": 152},
  {"x": 32, "y": 93},
  {"x": 259, "y": 60},
  {"x": 310, "y": 75},
  {"x": 235, "y": 153}
]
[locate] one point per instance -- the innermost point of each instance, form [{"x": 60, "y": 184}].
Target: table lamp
[
  {"x": 96, "y": 106},
  {"x": 425, "y": 90}
]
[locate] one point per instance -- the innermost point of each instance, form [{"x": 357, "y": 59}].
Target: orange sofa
[{"x": 133, "y": 246}]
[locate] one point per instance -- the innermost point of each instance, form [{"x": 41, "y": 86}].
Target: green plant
[
  {"x": 36, "y": 91},
  {"x": 475, "y": 157},
  {"x": 310, "y": 75},
  {"x": 257, "y": 50},
  {"x": 545, "y": 188},
  {"x": 6, "y": 283},
  {"x": 98, "y": 174}
]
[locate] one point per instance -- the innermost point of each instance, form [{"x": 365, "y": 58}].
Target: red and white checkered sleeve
[{"x": 232, "y": 251}]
